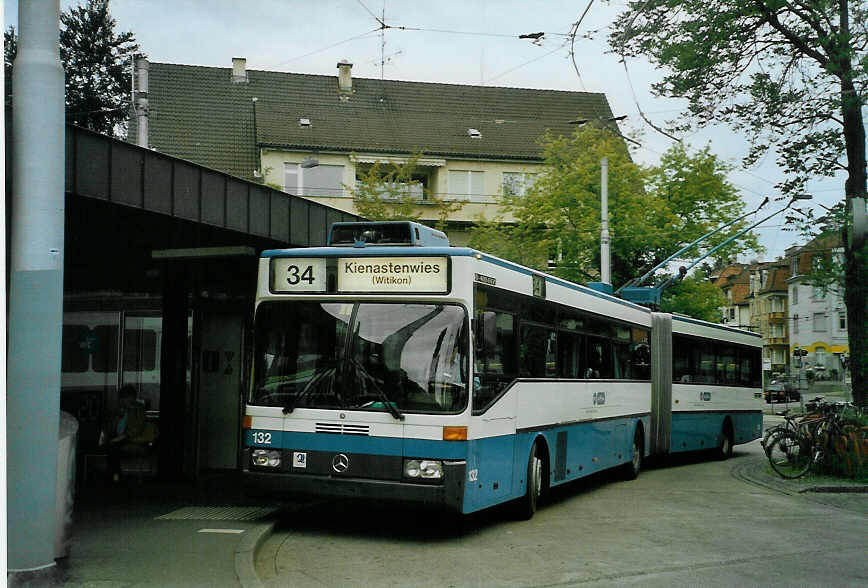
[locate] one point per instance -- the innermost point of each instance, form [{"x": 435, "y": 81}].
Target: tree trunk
[{"x": 856, "y": 267}]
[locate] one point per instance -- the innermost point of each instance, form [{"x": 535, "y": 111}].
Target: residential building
[
  {"x": 734, "y": 282},
  {"x": 769, "y": 312},
  {"x": 818, "y": 317},
  {"x": 314, "y": 135}
]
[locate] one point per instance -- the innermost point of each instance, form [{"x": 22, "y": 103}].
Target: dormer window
[
  {"x": 304, "y": 122},
  {"x": 474, "y": 133}
]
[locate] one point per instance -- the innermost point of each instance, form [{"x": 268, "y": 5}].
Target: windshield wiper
[
  {"x": 311, "y": 385},
  {"x": 390, "y": 406}
]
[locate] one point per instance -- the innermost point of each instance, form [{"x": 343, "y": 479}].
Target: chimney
[
  {"x": 345, "y": 80},
  {"x": 141, "y": 101},
  {"x": 239, "y": 70}
]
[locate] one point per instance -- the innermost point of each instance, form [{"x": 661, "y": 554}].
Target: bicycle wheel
[{"x": 790, "y": 455}]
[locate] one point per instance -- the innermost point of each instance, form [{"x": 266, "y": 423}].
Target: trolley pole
[{"x": 35, "y": 292}]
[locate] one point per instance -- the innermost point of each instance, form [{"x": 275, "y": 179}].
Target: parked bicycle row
[{"x": 830, "y": 437}]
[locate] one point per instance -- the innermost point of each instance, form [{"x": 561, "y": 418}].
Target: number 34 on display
[{"x": 298, "y": 274}]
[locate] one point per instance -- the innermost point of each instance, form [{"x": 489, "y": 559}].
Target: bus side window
[
  {"x": 600, "y": 363},
  {"x": 494, "y": 364}
]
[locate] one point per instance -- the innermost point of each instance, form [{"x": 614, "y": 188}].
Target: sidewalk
[
  {"x": 843, "y": 493},
  {"x": 150, "y": 533}
]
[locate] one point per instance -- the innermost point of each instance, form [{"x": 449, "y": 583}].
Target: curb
[
  {"x": 245, "y": 555},
  {"x": 837, "y": 489},
  {"x": 750, "y": 472}
]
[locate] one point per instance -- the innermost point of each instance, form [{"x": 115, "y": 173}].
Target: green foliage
[
  {"x": 10, "y": 49},
  {"x": 772, "y": 69},
  {"x": 653, "y": 212},
  {"x": 791, "y": 76},
  {"x": 97, "y": 62},
  {"x": 695, "y": 297},
  {"x": 394, "y": 191}
]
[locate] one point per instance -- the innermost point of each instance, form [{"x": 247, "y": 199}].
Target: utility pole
[
  {"x": 35, "y": 292},
  {"x": 605, "y": 254}
]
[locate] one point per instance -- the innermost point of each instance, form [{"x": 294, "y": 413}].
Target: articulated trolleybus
[{"x": 390, "y": 365}]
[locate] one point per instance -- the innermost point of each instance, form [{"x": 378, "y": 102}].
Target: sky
[{"x": 450, "y": 41}]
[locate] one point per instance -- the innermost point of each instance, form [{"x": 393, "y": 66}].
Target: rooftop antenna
[{"x": 383, "y": 41}]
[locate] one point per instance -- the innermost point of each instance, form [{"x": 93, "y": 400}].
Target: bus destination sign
[{"x": 393, "y": 274}]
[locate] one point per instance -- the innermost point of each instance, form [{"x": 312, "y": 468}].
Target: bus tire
[
  {"x": 527, "y": 504},
  {"x": 634, "y": 466},
  {"x": 724, "y": 450}
]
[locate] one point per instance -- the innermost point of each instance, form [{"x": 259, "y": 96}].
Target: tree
[
  {"x": 653, "y": 212},
  {"x": 97, "y": 61},
  {"x": 10, "y": 49},
  {"x": 696, "y": 297},
  {"x": 790, "y": 75},
  {"x": 394, "y": 191}
]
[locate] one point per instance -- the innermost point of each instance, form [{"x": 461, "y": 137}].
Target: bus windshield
[{"x": 361, "y": 356}]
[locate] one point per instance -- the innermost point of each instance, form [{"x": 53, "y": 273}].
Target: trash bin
[{"x": 66, "y": 442}]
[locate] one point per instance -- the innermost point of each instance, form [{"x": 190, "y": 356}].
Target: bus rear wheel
[
  {"x": 528, "y": 503},
  {"x": 724, "y": 450}
]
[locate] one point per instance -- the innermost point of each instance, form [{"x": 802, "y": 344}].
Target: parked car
[{"x": 782, "y": 389}]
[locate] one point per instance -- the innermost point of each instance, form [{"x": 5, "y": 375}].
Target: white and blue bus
[{"x": 390, "y": 365}]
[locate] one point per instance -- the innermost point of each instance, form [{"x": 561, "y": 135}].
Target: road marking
[{"x": 230, "y": 531}]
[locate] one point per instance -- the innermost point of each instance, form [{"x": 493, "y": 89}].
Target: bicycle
[
  {"x": 790, "y": 454},
  {"x": 801, "y": 441}
]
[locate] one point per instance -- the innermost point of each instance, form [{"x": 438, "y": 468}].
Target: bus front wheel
[
  {"x": 634, "y": 466},
  {"x": 528, "y": 503}
]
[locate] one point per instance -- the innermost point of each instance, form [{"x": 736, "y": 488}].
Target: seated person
[{"x": 127, "y": 432}]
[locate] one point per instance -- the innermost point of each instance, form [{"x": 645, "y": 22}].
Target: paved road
[{"x": 688, "y": 523}]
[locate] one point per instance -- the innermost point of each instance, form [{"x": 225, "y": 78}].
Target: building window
[
  {"x": 795, "y": 294},
  {"x": 795, "y": 324},
  {"x": 777, "y": 304},
  {"x": 732, "y": 314},
  {"x": 819, "y": 321},
  {"x": 321, "y": 180},
  {"x": 466, "y": 185},
  {"x": 820, "y": 356},
  {"x": 818, "y": 292},
  {"x": 842, "y": 321},
  {"x": 517, "y": 183}
]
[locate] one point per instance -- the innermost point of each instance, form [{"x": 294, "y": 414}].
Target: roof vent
[
  {"x": 474, "y": 133},
  {"x": 239, "y": 70},
  {"x": 304, "y": 122}
]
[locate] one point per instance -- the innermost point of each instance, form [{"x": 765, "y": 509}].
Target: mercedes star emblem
[{"x": 340, "y": 463}]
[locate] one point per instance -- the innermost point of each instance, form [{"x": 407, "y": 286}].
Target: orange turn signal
[
  {"x": 455, "y": 433},
  {"x": 247, "y": 422}
]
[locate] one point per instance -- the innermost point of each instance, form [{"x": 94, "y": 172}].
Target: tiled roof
[
  {"x": 740, "y": 293},
  {"x": 727, "y": 272},
  {"x": 820, "y": 245},
  {"x": 777, "y": 280},
  {"x": 197, "y": 113}
]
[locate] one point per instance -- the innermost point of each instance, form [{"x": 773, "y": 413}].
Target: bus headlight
[
  {"x": 428, "y": 469},
  {"x": 266, "y": 458}
]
